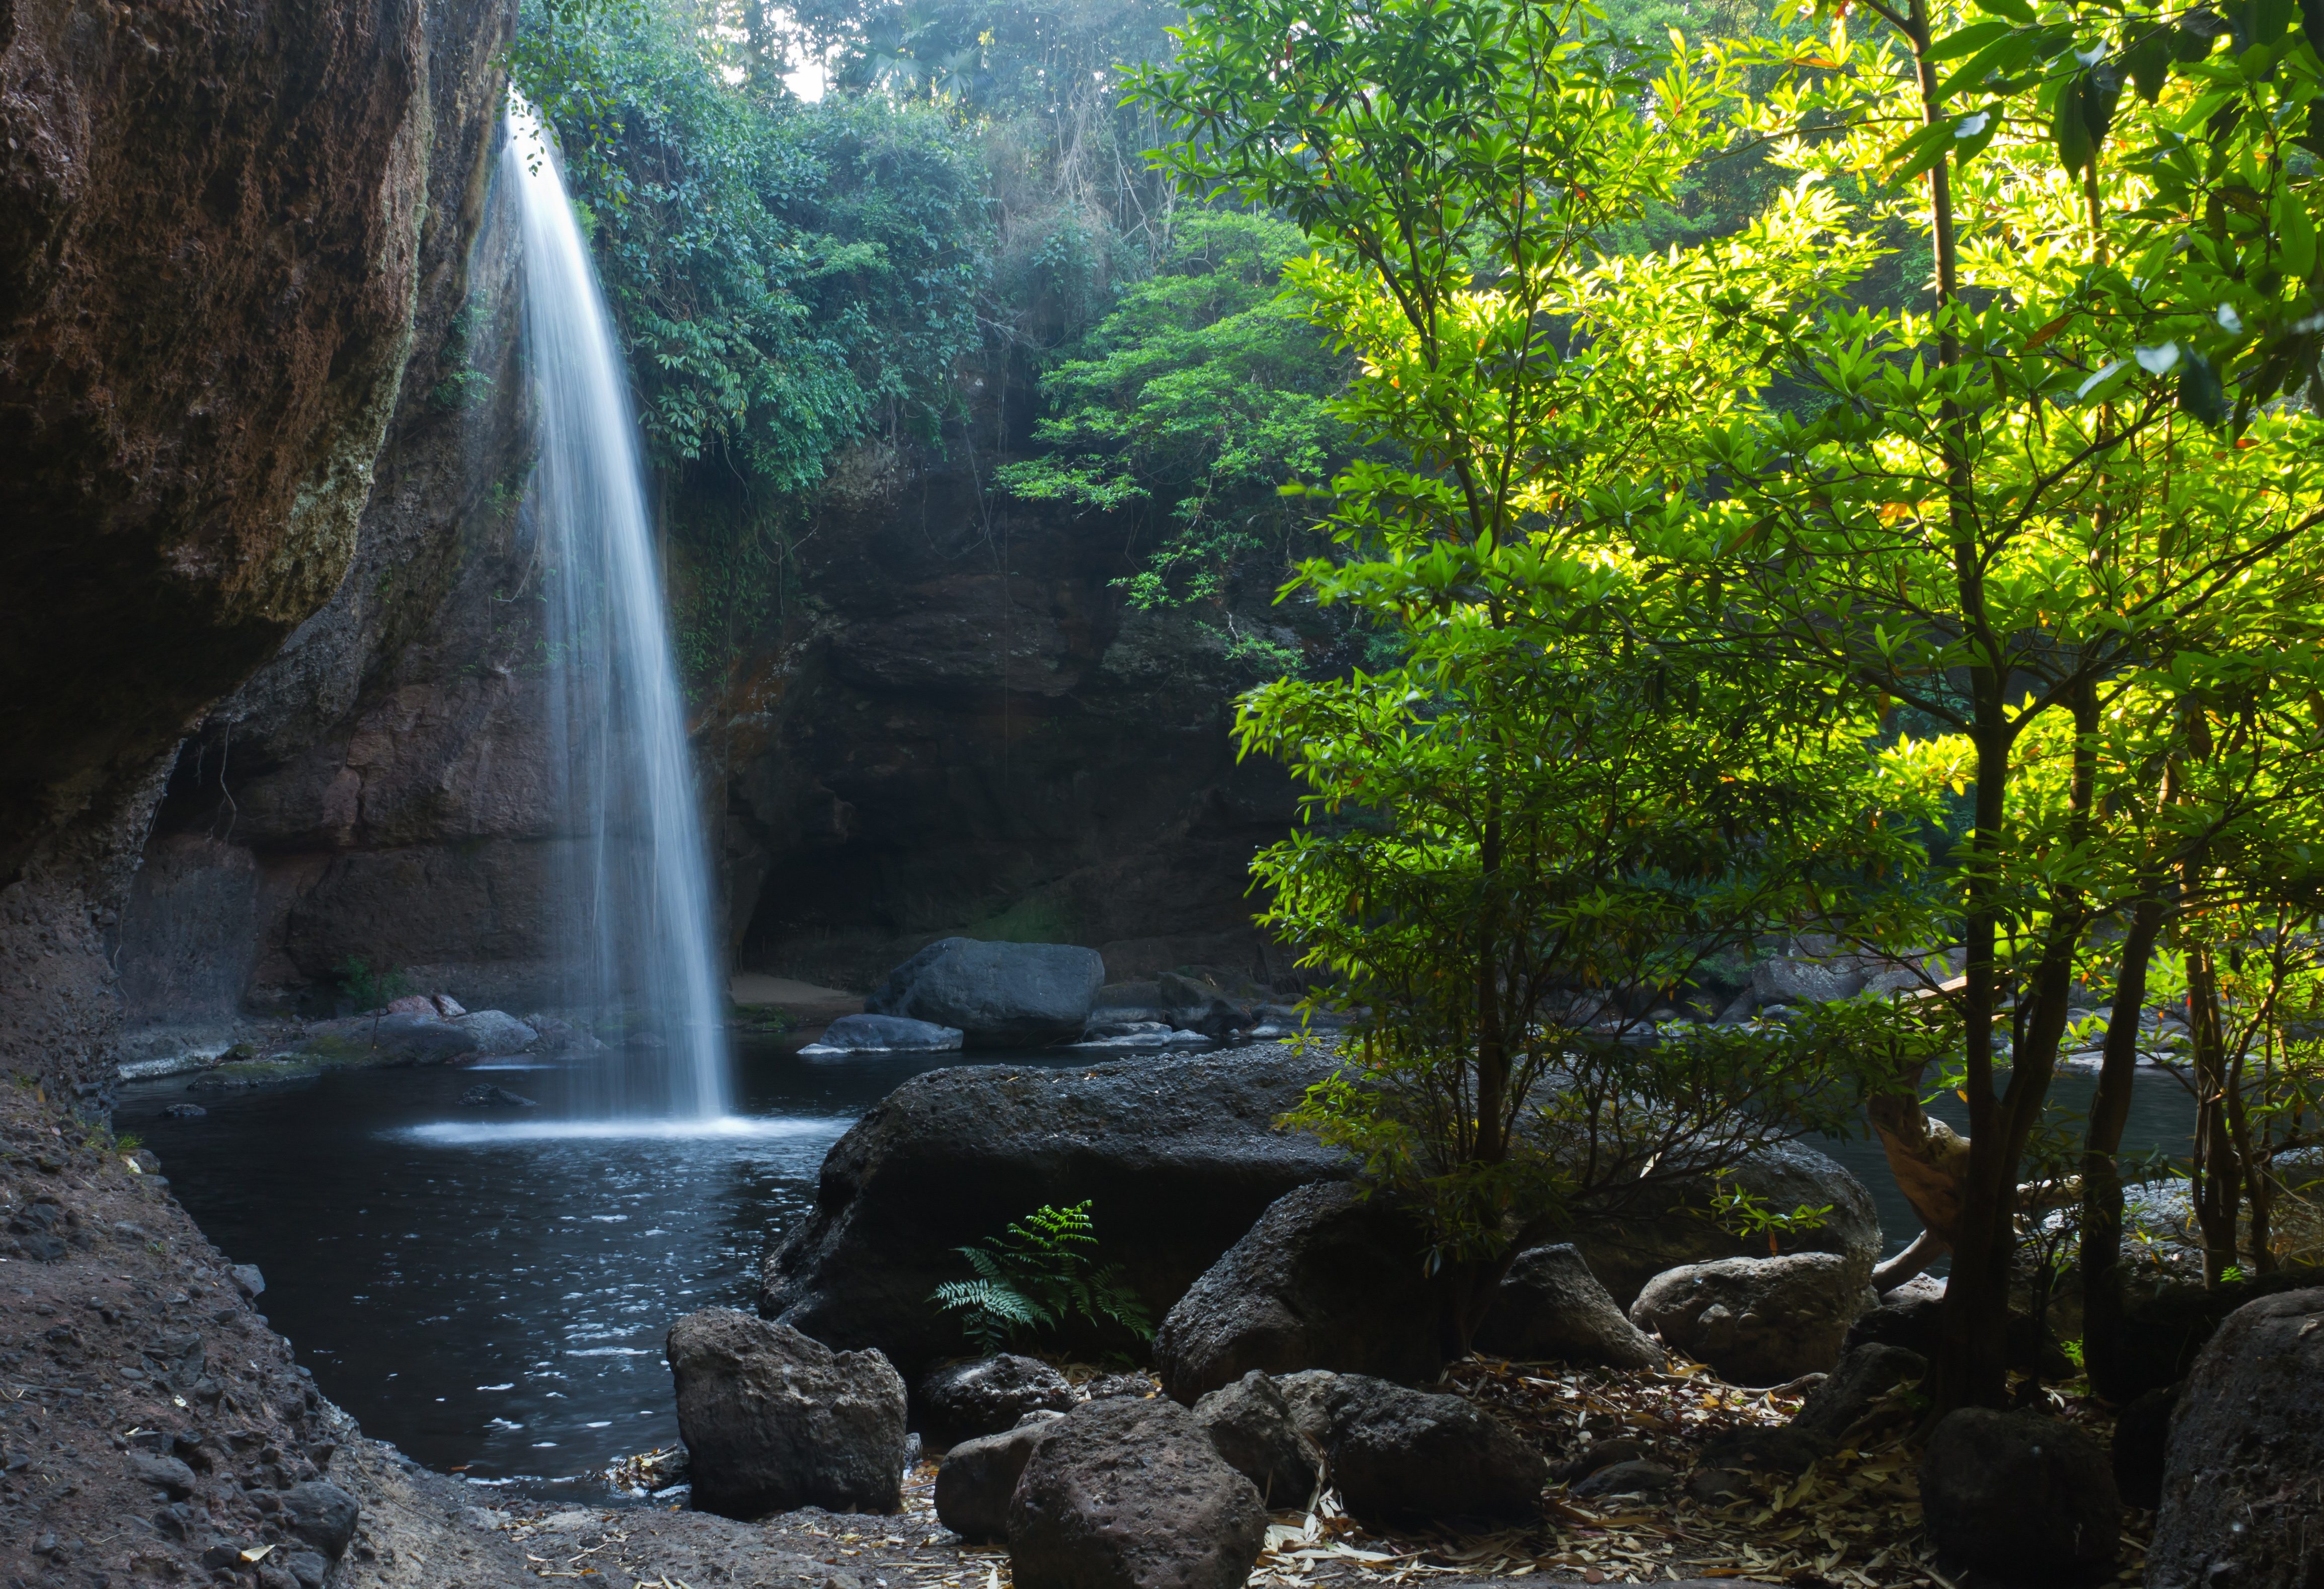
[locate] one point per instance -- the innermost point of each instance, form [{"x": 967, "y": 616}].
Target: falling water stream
[{"x": 635, "y": 900}]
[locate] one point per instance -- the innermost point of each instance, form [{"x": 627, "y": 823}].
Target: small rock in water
[
  {"x": 247, "y": 1280},
  {"x": 485, "y": 1096},
  {"x": 185, "y": 1111},
  {"x": 882, "y": 1035}
]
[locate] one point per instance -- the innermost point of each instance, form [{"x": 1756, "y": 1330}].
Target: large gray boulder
[
  {"x": 1327, "y": 1277},
  {"x": 1177, "y": 1158},
  {"x": 999, "y": 995},
  {"x": 1800, "y": 979},
  {"x": 1664, "y": 1224},
  {"x": 1251, "y": 1425},
  {"x": 2028, "y": 1499},
  {"x": 2243, "y": 1480},
  {"x": 1758, "y": 1321},
  {"x": 773, "y": 1420},
  {"x": 979, "y": 1476},
  {"x": 1551, "y": 1308},
  {"x": 963, "y": 1401},
  {"x": 410, "y": 1038},
  {"x": 1399, "y": 1454},
  {"x": 1132, "y": 1494}
]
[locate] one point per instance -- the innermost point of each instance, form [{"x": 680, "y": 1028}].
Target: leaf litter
[{"x": 1851, "y": 1521}]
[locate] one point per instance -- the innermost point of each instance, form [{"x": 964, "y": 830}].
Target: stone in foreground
[
  {"x": 1250, "y": 1424},
  {"x": 1177, "y": 1157},
  {"x": 1551, "y": 1308},
  {"x": 2243, "y": 1482},
  {"x": 774, "y": 1420},
  {"x": 322, "y": 1515},
  {"x": 1857, "y": 1389},
  {"x": 979, "y": 1476},
  {"x": 1327, "y": 1277},
  {"x": 2028, "y": 1499},
  {"x": 1758, "y": 1321},
  {"x": 999, "y": 995},
  {"x": 963, "y": 1401},
  {"x": 1130, "y": 1494},
  {"x": 881, "y": 1034},
  {"x": 1399, "y": 1454}
]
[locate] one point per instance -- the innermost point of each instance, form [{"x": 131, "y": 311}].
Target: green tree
[
  {"x": 1533, "y": 830},
  {"x": 1205, "y": 391},
  {"x": 2058, "y": 517}
]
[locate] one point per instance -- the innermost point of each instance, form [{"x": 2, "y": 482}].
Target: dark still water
[{"x": 489, "y": 1289}]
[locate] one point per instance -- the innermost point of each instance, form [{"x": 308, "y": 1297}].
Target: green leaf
[
  {"x": 2200, "y": 392},
  {"x": 2295, "y": 233},
  {"x": 1922, "y": 149},
  {"x": 2195, "y": 36},
  {"x": 2071, "y": 131},
  {"x": 2016, "y": 11},
  {"x": 2098, "y": 90},
  {"x": 2148, "y": 62},
  {"x": 1962, "y": 41}
]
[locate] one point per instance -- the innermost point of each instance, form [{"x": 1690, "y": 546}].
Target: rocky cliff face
[
  {"x": 954, "y": 725},
  {"x": 965, "y": 728},
  {"x": 379, "y": 789},
  {"x": 224, "y": 228}
]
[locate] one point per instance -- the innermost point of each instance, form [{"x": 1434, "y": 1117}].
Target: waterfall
[{"x": 634, "y": 895}]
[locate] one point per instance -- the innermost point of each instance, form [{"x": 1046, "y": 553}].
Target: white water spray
[{"x": 635, "y": 895}]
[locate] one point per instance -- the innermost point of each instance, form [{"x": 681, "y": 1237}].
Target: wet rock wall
[{"x": 227, "y": 230}]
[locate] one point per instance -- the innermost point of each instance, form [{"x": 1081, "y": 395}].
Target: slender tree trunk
[
  {"x": 2259, "y": 1185},
  {"x": 2217, "y": 1183},
  {"x": 1971, "y": 1365},
  {"x": 1492, "y": 1039},
  {"x": 2101, "y": 1233}
]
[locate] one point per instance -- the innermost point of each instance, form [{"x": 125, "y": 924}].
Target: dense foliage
[
  {"x": 2055, "y": 510},
  {"x": 788, "y": 275},
  {"x": 1206, "y": 388}
]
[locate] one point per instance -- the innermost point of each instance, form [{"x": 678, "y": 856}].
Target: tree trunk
[
  {"x": 2101, "y": 1242},
  {"x": 2217, "y": 1183},
  {"x": 1928, "y": 1158}
]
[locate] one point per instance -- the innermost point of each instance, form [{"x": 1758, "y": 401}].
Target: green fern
[{"x": 1036, "y": 1277}]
